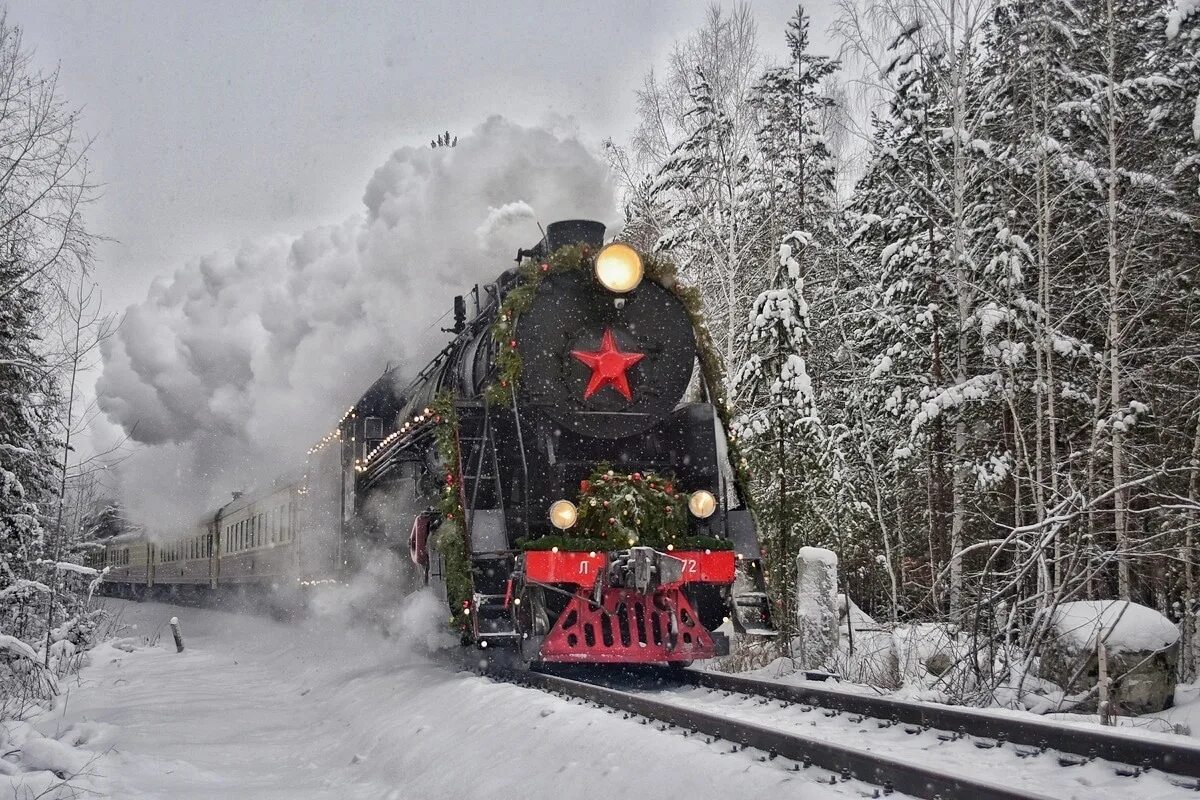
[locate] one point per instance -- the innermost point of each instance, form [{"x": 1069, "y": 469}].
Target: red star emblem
[{"x": 608, "y": 366}]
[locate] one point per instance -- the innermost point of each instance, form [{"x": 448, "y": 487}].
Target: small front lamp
[
  {"x": 563, "y": 514},
  {"x": 702, "y": 504}
]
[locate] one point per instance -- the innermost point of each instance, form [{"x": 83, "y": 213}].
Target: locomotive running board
[{"x": 630, "y": 627}]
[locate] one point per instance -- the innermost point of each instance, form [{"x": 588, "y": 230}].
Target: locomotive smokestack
[{"x": 574, "y": 231}]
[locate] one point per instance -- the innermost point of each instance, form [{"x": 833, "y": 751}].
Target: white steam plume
[
  {"x": 232, "y": 366},
  {"x": 498, "y": 219}
]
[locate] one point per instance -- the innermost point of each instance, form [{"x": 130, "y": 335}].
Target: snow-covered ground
[{"x": 261, "y": 709}]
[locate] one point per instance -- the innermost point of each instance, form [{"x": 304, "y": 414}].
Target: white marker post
[
  {"x": 178, "y": 636},
  {"x": 1105, "y": 705}
]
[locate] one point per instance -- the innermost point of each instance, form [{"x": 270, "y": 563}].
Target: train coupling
[{"x": 644, "y": 569}]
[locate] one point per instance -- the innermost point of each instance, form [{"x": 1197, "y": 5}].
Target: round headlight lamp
[
  {"x": 702, "y": 504},
  {"x": 563, "y": 514},
  {"x": 619, "y": 268}
]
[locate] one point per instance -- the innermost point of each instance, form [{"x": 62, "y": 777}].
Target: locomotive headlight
[
  {"x": 563, "y": 514},
  {"x": 619, "y": 268},
  {"x": 702, "y": 504}
]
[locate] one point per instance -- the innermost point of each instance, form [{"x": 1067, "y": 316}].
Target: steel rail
[
  {"x": 891, "y": 774},
  {"x": 1179, "y": 759}
]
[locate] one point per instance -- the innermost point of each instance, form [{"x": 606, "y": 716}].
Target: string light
[{"x": 417, "y": 421}]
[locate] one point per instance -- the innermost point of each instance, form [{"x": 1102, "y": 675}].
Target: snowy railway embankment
[{"x": 259, "y": 709}]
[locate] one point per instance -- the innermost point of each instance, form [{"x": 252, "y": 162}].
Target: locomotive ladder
[
  {"x": 481, "y": 473},
  {"x": 480, "y": 460}
]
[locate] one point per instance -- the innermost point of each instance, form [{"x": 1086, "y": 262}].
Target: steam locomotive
[{"x": 559, "y": 473}]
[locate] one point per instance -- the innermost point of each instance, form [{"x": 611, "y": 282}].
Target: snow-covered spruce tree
[
  {"x": 1126, "y": 218},
  {"x": 1029, "y": 44},
  {"x": 930, "y": 221},
  {"x": 777, "y": 422},
  {"x": 43, "y": 243},
  {"x": 28, "y": 454},
  {"x": 1182, "y": 145},
  {"x": 714, "y": 222},
  {"x": 696, "y": 142}
]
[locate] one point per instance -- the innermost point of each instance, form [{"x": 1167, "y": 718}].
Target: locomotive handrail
[
  {"x": 524, "y": 462},
  {"x": 485, "y": 437}
]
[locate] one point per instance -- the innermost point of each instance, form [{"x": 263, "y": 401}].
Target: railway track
[
  {"x": 1124, "y": 748},
  {"x": 896, "y": 746}
]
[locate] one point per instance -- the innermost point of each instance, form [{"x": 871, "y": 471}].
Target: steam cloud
[{"x": 232, "y": 366}]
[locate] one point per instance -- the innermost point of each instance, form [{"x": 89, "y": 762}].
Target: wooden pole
[
  {"x": 178, "y": 636},
  {"x": 1102, "y": 662}
]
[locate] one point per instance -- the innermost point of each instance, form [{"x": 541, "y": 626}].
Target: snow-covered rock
[{"x": 1141, "y": 644}]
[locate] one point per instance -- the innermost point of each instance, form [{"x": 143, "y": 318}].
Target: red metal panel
[
  {"x": 713, "y": 566},
  {"x": 629, "y": 628},
  {"x": 564, "y": 566}
]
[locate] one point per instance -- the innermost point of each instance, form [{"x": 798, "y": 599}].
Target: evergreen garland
[
  {"x": 451, "y": 537},
  {"x": 619, "y": 510}
]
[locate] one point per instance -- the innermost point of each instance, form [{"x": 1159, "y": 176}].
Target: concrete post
[{"x": 816, "y": 607}]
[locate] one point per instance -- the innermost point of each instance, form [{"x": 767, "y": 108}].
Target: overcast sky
[
  {"x": 219, "y": 121},
  {"x": 235, "y": 142}
]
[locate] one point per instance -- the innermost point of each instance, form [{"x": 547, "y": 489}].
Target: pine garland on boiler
[{"x": 451, "y": 539}]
